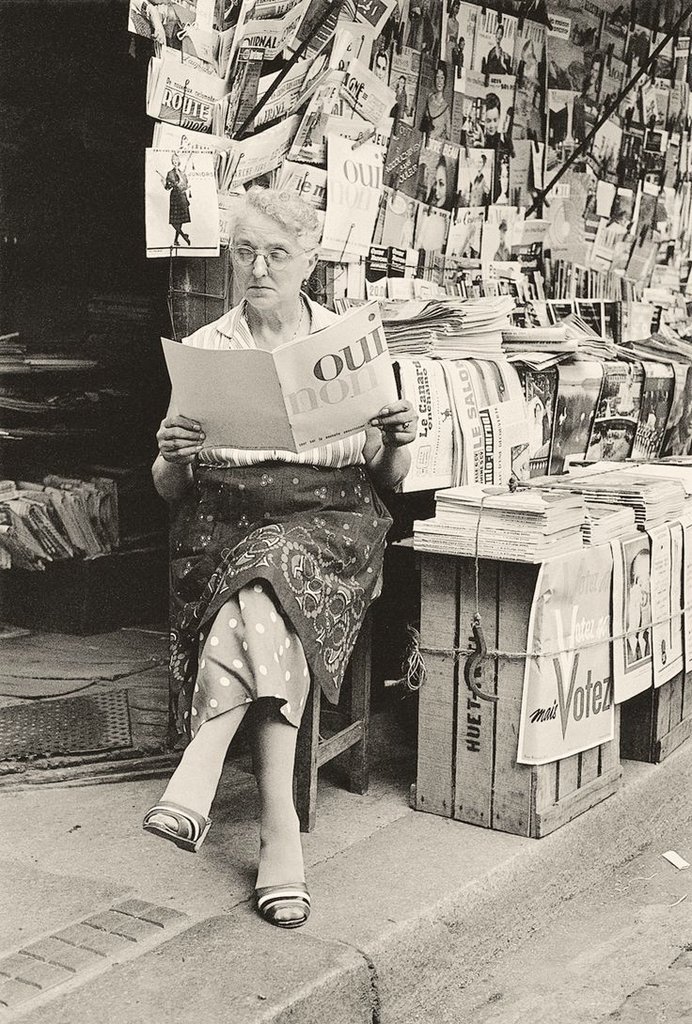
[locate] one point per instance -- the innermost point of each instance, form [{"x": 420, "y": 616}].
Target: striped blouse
[{"x": 233, "y": 331}]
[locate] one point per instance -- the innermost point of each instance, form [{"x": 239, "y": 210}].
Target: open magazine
[{"x": 308, "y": 392}]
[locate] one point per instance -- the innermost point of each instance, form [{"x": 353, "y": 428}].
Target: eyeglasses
[{"x": 276, "y": 259}]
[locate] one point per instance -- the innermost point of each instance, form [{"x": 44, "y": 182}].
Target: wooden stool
[{"x": 313, "y": 750}]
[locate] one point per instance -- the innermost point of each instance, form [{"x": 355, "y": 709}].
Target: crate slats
[
  {"x": 437, "y": 698},
  {"x": 467, "y": 747}
]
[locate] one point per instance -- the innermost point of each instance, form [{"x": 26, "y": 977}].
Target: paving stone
[
  {"x": 72, "y": 958},
  {"x": 151, "y": 912},
  {"x": 11, "y": 966},
  {"x": 13, "y": 993},
  {"x": 95, "y": 939},
  {"x": 121, "y": 924},
  {"x": 41, "y": 974}
]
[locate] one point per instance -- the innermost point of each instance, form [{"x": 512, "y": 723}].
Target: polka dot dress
[{"x": 250, "y": 651}]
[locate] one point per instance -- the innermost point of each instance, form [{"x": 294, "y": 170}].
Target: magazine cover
[
  {"x": 181, "y": 204},
  {"x": 437, "y": 173},
  {"x": 353, "y": 197},
  {"x": 632, "y": 655},
  {"x": 475, "y": 177},
  {"x": 579, "y": 387},
  {"x": 617, "y": 414},
  {"x": 540, "y": 389},
  {"x": 403, "y": 79},
  {"x": 495, "y": 41},
  {"x": 655, "y": 406}
]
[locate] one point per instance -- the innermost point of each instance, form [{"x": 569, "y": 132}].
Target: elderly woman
[{"x": 275, "y": 558}]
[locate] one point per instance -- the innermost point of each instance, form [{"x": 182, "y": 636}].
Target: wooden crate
[
  {"x": 656, "y": 722},
  {"x": 467, "y": 747}
]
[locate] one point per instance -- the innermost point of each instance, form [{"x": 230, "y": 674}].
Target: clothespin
[
  {"x": 633, "y": 14},
  {"x": 364, "y": 137}
]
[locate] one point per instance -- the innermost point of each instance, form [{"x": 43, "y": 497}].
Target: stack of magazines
[
  {"x": 654, "y": 500},
  {"x": 57, "y": 519},
  {"x": 604, "y": 522},
  {"x": 453, "y": 328},
  {"x": 526, "y": 525}
]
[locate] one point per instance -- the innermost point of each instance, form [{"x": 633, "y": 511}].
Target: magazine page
[
  {"x": 632, "y": 648},
  {"x": 337, "y": 379},
  {"x": 567, "y": 703},
  {"x": 423, "y": 384},
  {"x": 181, "y": 204},
  {"x": 353, "y": 197},
  {"x": 224, "y": 391}
]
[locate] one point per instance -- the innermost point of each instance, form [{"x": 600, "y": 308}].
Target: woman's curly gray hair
[{"x": 287, "y": 208}]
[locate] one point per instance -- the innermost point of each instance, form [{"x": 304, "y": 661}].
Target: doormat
[{"x": 77, "y": 725}]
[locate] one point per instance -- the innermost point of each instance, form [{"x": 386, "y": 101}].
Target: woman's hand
[
  {"x": 398, "y": 424},
  {"x": 179, "y": 439}
]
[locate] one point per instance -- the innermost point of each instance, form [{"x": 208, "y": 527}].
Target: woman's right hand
[{"x": 179, "y": 439}]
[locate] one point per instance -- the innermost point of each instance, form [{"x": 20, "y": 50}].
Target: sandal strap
[
  {"x": 196, "y": 821},
  {"x": 271, "y": 896}
]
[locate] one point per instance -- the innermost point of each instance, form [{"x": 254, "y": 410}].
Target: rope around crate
[{"x": 415, "y": 671}]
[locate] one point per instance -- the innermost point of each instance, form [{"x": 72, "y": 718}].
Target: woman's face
[
  {"x": 440, "y": 186},
  {"x": 270, "y": 289},
  {"x": 439, "y": 80},
  {"x": 175, "y": 160}
]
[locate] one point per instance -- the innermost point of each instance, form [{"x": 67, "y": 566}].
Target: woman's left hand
[{"x": 398, "y": 424}]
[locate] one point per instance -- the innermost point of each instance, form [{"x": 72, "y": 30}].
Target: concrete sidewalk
[{"x": 409, "y": 908}]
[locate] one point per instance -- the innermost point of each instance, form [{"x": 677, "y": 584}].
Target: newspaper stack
[
  {"x": 654, "y": 500},
  {"x": 530, "y": 340},
  {"x": 453, "y": 328},
  {"x": 520, "y": 526},
  {"x": 61, "y": 518},
  {"x": 604, "y": 522}
]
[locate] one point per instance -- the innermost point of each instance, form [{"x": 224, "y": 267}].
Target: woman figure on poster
[
  {"x": 275, "y": 558},
  {"x": 179, "y": 204},
  {"x": 436, "y": 122},
  {"x": 503, "y": 252},
  {"x": 439, "y": 190},
  {"x": 502, "y": 177}
]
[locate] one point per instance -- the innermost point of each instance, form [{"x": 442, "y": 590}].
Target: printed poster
[
  {"x": 686, "y": 523},
  {"x": 181, "y": 204},
  {"x": 632, "y": 652},
  {"x": 567, "y": 704}
]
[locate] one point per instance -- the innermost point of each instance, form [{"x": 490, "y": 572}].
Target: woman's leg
[
  {"x": 195, "y": 780},
  {"x": 273, "y": 751}
]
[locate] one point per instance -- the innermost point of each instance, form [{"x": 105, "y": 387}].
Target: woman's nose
[{"x": 259, "y": 267}]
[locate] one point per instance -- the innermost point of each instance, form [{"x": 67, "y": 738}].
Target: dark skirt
[
  {"x": 178, "y": 208},
  {"x": 316, "y": 535}
]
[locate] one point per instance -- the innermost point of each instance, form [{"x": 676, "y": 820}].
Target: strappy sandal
[
  {"x": 191, "y": 830},
  {"x": 272, "y": 899}
]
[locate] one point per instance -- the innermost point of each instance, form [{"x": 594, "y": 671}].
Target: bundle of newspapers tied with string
[
  {"x": 522, "y": 525},
  {"x": 56, "y": 519}
]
